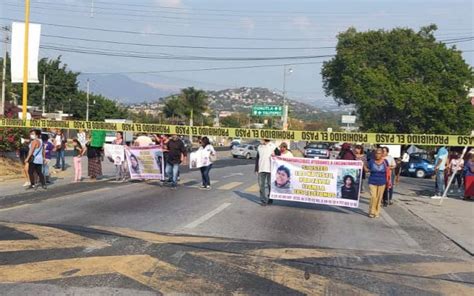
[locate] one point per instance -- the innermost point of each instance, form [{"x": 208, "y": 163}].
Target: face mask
[{"x": 32, "y": 137}]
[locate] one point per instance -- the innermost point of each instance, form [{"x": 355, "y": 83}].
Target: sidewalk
[
  {"x": 58, "y": 177},
  {"x": 454, "y": 217}
]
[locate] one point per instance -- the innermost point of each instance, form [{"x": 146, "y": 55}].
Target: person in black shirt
[{"x": 176, "y": 156}]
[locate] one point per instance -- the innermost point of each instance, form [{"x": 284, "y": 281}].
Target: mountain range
[{"x": 127, "y": 91}]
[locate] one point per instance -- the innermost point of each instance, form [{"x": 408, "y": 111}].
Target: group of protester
[
  {"x": 383, "y": 170},
  {"x": 461, "y": 169},
  {"x": 37, "y": 151}
]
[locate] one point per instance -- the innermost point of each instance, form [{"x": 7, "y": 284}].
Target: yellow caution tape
[{"x": 313, "y": 136}]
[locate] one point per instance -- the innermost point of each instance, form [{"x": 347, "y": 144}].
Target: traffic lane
[
  {"x": 123, "y": 260},
  {"x": 229, "y": 210},
  {"x": 33, "y": 196},
  {"x": 140, "y": 205}
]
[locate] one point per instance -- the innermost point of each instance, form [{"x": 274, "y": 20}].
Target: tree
[
  {"x": 235, "y": 120},
  {"x": 174, "y": 107},
  {"x": 401, "y": 81},
  {"x": 189, "y": 101},
  {"x": 62, "y": 92},
  {"x": 195, "y": 101},
  {"x": 61, "y": 84}
]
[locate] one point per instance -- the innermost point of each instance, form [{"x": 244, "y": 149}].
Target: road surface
[{"x": 143, "y": 238}]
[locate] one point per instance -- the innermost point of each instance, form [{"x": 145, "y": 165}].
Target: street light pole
[
  {"x": 44, "y": 95},
  {"x": 286, "y": 71}
]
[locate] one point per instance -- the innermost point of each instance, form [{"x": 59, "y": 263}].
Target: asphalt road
[{"x": 220, "y": 241}]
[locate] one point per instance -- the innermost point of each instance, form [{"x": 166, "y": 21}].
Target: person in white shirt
[
  {"x": 388, "y": 194},
  {"x": 143, "y": 141},
  {"x": 284, "y": 150},
  {"x": 208, "y": 152},
  {"x": 456, "y": 167},
  {"x": 263, "y": 168}
]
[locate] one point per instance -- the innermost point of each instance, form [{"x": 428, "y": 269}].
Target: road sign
[
  {"x": 267, "y": 111},
  {"x": 348, "y": 119}
]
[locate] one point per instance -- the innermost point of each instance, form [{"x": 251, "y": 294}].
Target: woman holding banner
[
  {"x": 379, "y": 179},
  {"x": 120, "y": 173},
  {"x": 207, "y": 150},
  {"x": 359, "y": 155}
]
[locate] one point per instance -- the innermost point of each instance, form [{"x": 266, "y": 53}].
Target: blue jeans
[
  {"x": 440, "y": 183},
  {"x": 264, "y": 184},
  {"x": 206, "y": 180},
  {"x": 59, "y": 159},
  {"x": 172, "y": 171},
  {"x": 388, "y": 193}
]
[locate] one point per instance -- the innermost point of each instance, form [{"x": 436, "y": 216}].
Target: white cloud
[
  {"x": 302, "y": 22},
  {"x": 170, "y": 3},
  {"x": 247, "y": 23}
]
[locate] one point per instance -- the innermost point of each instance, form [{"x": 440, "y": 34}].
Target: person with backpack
[
  {"x": 379, "y": 180},
  {"x": 35, "y": 159},
  {"x": 207, "y": 150}
]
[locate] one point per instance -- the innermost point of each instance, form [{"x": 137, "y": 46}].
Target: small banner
[
  {"x": 199, "y": 158},
  {"x": 145, "y": 162},
  {"x": 115, "y": 153},
  {"x": 17, "y": 51},
  {"x": 329, "y": 182}
]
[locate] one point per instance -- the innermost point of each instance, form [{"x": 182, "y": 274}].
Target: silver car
[
  {"x": 317, "y": 150},
  {"x": 247, "y": 151}
]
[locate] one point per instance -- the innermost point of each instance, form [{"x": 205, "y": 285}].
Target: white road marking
[
  {"x": 207, "y": 216},
  {"x": 233, "y": 175}
]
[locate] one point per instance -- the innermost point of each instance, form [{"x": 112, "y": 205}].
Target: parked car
[
  {"x": 419, "y": 166},
  {"x": 234, "y": 144},
  {"x": 317, "y": 150},
  {"x": 247, "y": 151}
]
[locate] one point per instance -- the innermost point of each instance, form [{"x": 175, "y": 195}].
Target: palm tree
[{"x": 195, "y": 101}]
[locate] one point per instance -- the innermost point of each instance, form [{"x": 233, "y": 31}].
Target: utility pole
[
  {"x": 87, "y": 101},
  {"x": 286, "y": 71},
  {"x": 44, "y": 95},
  {"x": 4, "y": 72}
]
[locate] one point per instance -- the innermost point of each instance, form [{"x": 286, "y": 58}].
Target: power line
[
  {"x": 169, "y": 35},
  {"x": 185, "y": 46},
  {"x": 142, "y": 55},
  {"x": 203, "y": 69}
]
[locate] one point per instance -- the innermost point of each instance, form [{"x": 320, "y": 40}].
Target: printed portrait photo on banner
[
  {"x": 134, "y": 164},
  {"x": 282, "y": 182},
  {"x": 348, "y": 183}
]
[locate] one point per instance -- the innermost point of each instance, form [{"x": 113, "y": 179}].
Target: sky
[{"x": 164, "y": 39}]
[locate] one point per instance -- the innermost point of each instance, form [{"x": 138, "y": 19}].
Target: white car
[{"x": 245, "y": 151}]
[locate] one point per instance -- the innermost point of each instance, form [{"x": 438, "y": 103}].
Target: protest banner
[
  {"x": 329, "y": 182},
  {"x": 145, "y": 162},
  {"x": 199, "y": 158},
  {"x": 115, "y": 153}
]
